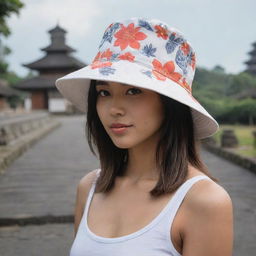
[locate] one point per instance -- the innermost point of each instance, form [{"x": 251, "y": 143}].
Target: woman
[{"x": 152, "y": 195}]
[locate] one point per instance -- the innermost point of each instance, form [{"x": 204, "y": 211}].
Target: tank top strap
[{"x": 91, "y": 191}]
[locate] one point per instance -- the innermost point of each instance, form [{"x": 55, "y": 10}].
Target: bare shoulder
[
  {"x": 88, "y": 178},
  {"x": 85, "y": 183},
  {"x": 209, "y": 220},
  {"x": 207, "y": 194}
]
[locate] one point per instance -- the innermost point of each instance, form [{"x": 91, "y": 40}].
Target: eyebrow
[{"x": 106, "y": 83}]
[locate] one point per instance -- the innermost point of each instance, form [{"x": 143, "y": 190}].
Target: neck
[{"x": 142, "y": 162}]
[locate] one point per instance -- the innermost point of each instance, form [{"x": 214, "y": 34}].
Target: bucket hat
[{"x": 145, "y": 53}]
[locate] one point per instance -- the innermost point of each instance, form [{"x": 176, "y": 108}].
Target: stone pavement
[
  {"x": 42, "y": 183},
  {"x": 241, "y": 186}
]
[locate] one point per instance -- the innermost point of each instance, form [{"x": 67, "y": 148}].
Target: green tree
[
  {"x": 246, "y": 109},
  {"x": 218, "y": 69},
  {"x": 4, "y": 51},
  {"x": 240, "y": 82},
  {"x": 215, "y": 81},
  {"x": 7, "y": 7}
]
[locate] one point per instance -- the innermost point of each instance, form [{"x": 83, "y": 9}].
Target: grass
[{"x": 244, "y": 136}]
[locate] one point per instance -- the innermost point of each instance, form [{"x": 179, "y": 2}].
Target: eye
[
  {"x": 136, "y": 90},
  {"x": 98, "y": 93}
]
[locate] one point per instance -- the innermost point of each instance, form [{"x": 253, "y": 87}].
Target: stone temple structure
[{"x": 56, "y": 62}]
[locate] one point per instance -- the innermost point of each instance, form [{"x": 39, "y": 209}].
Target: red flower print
[
  {"x": 97, "y": 63},
  {"x": 97, "y": 57},
  {"x": 107, "y": 54},
  {"x": 127, "y": 56},
  {"x": 167, "y": 70},
  {"x": 129, "y": 36},
  {"x": 185, "y": 48},
  {"x": 161, "y": 32}
]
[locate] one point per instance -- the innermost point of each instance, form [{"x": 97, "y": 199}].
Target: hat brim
[{"x": 74, "y": 87}]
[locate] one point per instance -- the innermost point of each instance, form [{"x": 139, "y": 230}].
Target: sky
[{"x": 220, "y": 31}]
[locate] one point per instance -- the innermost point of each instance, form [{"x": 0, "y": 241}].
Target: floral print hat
[{"x": 144, "y": 53}]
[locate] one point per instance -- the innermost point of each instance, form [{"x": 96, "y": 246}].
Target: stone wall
[
  {"x": 226, "y": 153},
  {"x": 17, "y": 134}
]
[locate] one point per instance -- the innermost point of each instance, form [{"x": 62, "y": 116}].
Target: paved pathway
[
  {"x": 43, "y": 181},
  {"x": 241, "y": 186}
]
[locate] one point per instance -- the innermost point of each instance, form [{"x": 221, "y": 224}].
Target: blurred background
[{"x": 42, "y": 156}]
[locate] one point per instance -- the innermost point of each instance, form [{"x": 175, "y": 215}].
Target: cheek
[{"x": 149, "y": 116}]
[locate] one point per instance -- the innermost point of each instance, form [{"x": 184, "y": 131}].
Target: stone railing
[
  {"x": 228, "y": 154},
  {"x": 18, "y": 133},
  {"x": 13, "y": 129}
]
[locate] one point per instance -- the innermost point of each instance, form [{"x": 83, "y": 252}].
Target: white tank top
[{"x": 154, "y": 239}]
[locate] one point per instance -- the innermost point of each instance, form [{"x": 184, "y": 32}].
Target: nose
[{"x": 116, "y": 107}]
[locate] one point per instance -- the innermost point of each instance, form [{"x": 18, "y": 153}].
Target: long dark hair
[{"x": 176, "y": 148}]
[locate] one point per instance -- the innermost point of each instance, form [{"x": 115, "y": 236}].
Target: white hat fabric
[{"x": 148, "y": 54}]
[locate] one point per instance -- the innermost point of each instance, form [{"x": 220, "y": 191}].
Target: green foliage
[
  {"x": 214, "y": 90},
  {"x": 218, "y": 69},
  {"x": 241, "y": 82},
  {"x": 231, "y": 111},
  {"x": 244, "y": 111},
  {"x": 7, "y": 7},
  {"x": 11, "y": 77},
  {"x": 4, "y": 51},
  {"x": 217, "y": 107},
  {"x": 3, "y": 67},
  {"x": 214, "y": 81}
]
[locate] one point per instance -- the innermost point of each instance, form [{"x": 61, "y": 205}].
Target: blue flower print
[
  {"x": 146, "y": 72},
  {"x": 172, "y": 43},
  {"x": 148, "y": 50},
  {"x": 114, "y": 57},
  {"x": 107, "y": 71},
  {"x": 191, "y": 58},
  {"x": 182, "y": 61},
  {"x": 108, "y": 35},
  {"x": 145, "y": 25}
]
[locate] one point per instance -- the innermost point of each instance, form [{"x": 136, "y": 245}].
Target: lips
[
  {"x": 119, "y": 125},
  {"x": 120, "y": 130}
]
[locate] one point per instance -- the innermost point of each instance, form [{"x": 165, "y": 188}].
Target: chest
[{"x": 124, "y": 212}]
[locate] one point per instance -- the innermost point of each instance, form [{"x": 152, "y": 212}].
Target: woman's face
[{"x": 139, "y": 108}]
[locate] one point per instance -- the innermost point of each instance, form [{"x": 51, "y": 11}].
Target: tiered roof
[
  {"x": 57, "y": 62},
  {"x": 251, "y": 63}
]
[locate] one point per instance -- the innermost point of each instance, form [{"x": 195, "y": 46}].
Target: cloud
[
  {"x": 74, "y": 15},
  {"x": 28, "y": 30}
]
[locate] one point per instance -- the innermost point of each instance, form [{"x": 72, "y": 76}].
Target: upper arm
[
  {"x": 209, "y": 228},
  {"x": 82, "y": 191}
]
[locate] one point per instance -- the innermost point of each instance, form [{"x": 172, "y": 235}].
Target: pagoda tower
[
  {"x": 56, "y": 63},
  {"x": 251, "y": 63}
]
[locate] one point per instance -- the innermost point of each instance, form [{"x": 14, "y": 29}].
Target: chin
[{"x": 122, "y": 144}]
